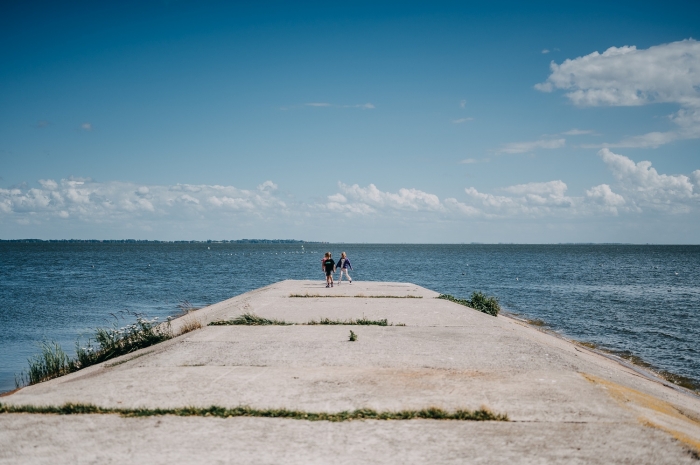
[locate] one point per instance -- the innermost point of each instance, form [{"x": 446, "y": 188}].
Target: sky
[{"x": 416, "y": 122}]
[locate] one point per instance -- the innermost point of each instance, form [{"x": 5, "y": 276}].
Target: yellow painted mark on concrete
[{"x": 653, "y": 412}]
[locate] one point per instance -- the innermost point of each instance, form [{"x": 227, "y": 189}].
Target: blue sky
[{"x": 357, "y": 122}]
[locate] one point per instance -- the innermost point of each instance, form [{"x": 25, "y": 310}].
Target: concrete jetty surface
[{"x": 566, "y": 403}]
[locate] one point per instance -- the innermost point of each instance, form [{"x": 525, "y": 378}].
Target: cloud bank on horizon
[{"x": 639, "y": 189}]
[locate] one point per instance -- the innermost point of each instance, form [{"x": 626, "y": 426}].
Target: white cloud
[
  {"x": 531, "y": 199},
  {"x": 603, "y": 196},
  {"x": 48, "y": 184},
  {"x": 469, "y": 161},
  {"x": 639, "y": 188},
  {"x": 554, "y": 189},
  {"x": 115, "y": 202},
  {"x": 645, "y": 188},
  {"x": 462, "y": 120},
  {"x": 365, "y": 200},
  {"x": 695, "y": 178},
  {"x": 577, "y": 132},
  {"x": 267, "y": 186},
  {"x": 86, "y": 126},
  {"x": 462, "y": 104},
  {"x": 627, "y": 76},
  {"x": 364, "y": 106},
  {"x": 545, "y": 51},
  {"x": 524, "y": 147}
]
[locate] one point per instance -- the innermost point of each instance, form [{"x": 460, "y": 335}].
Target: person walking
[
  {"x": 344, "y": 265},
  {"x": 329, "y": 268}
]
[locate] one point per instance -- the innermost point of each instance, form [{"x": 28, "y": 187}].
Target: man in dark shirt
[{"x": 329, "y": 268}]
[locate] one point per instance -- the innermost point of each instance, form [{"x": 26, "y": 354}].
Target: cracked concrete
[{"x": 567, "y": 403}]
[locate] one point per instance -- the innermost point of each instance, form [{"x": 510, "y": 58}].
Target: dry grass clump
[{"x": 189, "y": 324}]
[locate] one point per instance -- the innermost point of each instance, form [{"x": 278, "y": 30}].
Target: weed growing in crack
[
  {"x": 430, "y": 413},
  {"x": 251, "y": 319},
  {"x": 359, "y": 322}
]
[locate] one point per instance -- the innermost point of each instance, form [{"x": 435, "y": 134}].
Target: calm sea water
[{"x": 641, "y": 300}]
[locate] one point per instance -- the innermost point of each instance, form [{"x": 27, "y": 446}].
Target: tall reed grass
[{"x": 106, "y": 344}]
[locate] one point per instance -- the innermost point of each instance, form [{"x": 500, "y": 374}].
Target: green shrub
[{"x": 479, "y": 301}]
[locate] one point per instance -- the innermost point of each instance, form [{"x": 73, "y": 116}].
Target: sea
[{"x": 638, "y": 301}]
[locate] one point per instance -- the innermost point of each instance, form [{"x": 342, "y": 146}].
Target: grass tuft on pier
[
  {"x": 359, "y": 322},
  {"x": 250, "y": 319},
  {"x": 431, "y": 413}
]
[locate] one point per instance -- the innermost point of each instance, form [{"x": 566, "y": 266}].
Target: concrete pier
[{"x": 566, "y": 403}]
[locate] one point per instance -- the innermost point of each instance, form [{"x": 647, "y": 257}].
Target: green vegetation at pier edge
[
  {"x": 678, "y": 380},
  {"x": 432, "y": 413},
  {"x": 251, "y": 319},
  {"x": 478, "y": 301},
  {"x": 106, "y": 344}
]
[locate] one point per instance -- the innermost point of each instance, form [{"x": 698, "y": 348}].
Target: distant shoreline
[
  {"x": 144, "y": 241},
  {"x": 295, "y": 241}
]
